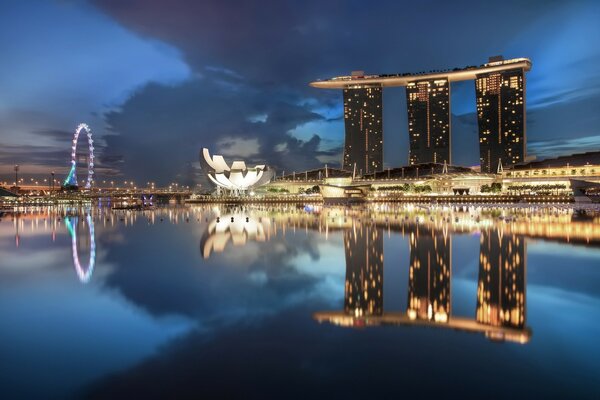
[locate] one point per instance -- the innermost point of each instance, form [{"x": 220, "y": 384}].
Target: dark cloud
[
  {"x": 278, "y": 43},
  {"x": 57, "y": 135},
  {"x": 264, "y": 65},
  {"x": 250, "y": 64},
  {"x": 172, "y": 124}
]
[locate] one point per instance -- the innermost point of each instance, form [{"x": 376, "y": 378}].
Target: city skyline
[
  {"x": 501, "y": 114},
  {"x": 244, "y": 199},
  {"x": 143, "y": 86}
]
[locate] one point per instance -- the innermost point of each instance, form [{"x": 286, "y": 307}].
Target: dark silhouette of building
[
  {"x": 428, "y": 105},
  {"x": 501, "y": 118},
  {"x": 501, "y": 286},
  {"x": 429, "y": 274},
  {"x": 363, "y": 292},
  {"x": 364, "y": 129}
]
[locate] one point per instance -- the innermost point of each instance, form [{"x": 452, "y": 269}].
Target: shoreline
[{"x": 473, "y": 199}]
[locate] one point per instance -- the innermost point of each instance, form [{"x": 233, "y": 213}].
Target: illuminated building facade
[
  {"x": 501, "y": 285},
  {"x": 236, "y": 178},
  {"x": 428, "y": 105},
  {"x": 363, "y": 292},
  {"x": 501, "y": 118},
  {"x": 364, "y": 129},
  {"x": 500, "y": 92},
  {"x": 430, "y": 270}
]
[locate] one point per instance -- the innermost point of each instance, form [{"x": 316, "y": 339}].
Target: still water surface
[{"x": 283, "y": 302}]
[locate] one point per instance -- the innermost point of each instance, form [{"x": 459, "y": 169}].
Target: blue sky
[{"x": 158, "y": 80}]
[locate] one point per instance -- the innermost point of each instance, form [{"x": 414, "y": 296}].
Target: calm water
[{"x": 386, "y": 301}]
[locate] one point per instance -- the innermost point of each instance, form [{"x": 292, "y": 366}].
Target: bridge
[{"x": 58, "y": 193}]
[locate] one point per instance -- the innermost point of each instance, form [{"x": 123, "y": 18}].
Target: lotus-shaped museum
[{"x": 238, "y": 177}]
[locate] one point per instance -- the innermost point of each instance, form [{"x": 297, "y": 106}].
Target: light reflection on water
[{"x": 189, "y": 272}]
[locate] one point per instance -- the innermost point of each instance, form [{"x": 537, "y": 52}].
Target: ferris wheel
[{"x": 71, "y": 180}]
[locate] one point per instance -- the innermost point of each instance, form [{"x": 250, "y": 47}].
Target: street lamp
[{"x": 16, "y": 176}]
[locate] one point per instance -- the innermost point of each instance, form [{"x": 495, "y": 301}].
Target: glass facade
[
  {"x": 428, "y": 106},
  {"x": 364, "y": 129},
  {"x": 501, "y": 118}
]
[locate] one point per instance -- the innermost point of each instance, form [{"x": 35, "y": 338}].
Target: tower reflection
[
  {"x": 500, "y": 311},
  {"x": 363, "y": 246},
  {"x": 501, "y": 284},
  {"x": 429, "y": 274}
]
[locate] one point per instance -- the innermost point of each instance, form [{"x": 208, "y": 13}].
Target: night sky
[{"x": 158, "y": 80}]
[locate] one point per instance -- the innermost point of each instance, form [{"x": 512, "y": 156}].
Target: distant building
[
  {"x": 501, "y": 118},
  {"x": 554, "y": 175},
  {"x": 541, "y": 177},
  {"x": 591, "y": 158},
  {"x": 364, "y": 129},
  {"x": 428, "y": 104},
  {"x": 7, "y": 195}
]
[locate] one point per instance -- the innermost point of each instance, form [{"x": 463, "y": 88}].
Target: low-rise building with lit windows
[{"x": 552, "y": 176}]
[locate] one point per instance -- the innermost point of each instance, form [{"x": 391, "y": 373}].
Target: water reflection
[
  {"x": 209, "y": 283},
  {"x": 239, "y": 224},
  {"x": 429, "y": 274},
  {"x": 363, "y": 246},
  {"x": 79, "y": 223},
  {"x": 500, "y": 312},
  {"x": 72, "y": 224},
  {"x": 235, "y": 227},
  {"x": 501, "y": 284}
]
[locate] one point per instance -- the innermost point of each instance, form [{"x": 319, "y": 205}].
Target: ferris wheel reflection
[{"x": 71, "y": 222}]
